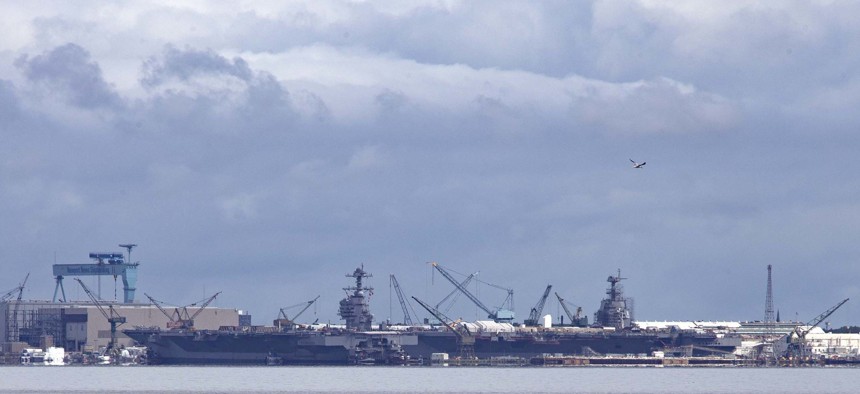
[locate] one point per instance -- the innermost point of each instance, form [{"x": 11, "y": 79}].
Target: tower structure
[
  {"x": 768, "y": 351},
  {"x": 616, "y": 310},
  {"x": 768, "y": 301},
  {"x": 355, "y": 308}
]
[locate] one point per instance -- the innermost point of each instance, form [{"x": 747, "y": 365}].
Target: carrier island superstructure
[{"x": 362, "y": 342}]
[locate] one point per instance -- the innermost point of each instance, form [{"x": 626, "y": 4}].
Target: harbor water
[{"x": 187, "y": 379}]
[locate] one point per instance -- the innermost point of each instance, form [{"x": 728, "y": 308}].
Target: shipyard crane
[
  {"x": 798, "y": 347},
  {"x": 9, "y": 294},
  {"x": 575, "y": 319},
  {"x": 407, "y": 319},
  {"x": 187, "y": 322},
  {"x": 499, "y": 315},
  {"x": 465, "y": 339},
  {"x": 535, "y": 313},
  {"x": 455, "y": 293},
  {"x": 171, "y": 319},
  {"x": 17, "y": 289},
  {"x": 283, "y": 320},
  {"x": 12, "y": 334},
  {"x": 111, "y": 315}
]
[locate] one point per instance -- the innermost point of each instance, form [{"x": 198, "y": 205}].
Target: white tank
[{"x": 547, "y": 321}]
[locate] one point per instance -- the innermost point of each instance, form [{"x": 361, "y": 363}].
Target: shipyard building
[
  {"x": 80, "y": 326},
  {"x": 83, "y": 325}
]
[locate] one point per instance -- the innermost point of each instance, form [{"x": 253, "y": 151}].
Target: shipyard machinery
[
  {"x": 505, "y": 315},
  {"x": 536, "y": 311},
  {"x": 797, "y": 338},
  {"x": 286, "y": 322},
  {"x": 465, "y": 339},
  {"x": 17, "y": 289},
  {"x": 455, "y": 293},
  {"x": 577, "y": 320},
  {"x": 180, "y": 318},
  {"x": 107, "y": 264},
  {"x": 12, "y": 329},
  {"x": 111, "y": 315},
  {"x": 407, "y": 319}
]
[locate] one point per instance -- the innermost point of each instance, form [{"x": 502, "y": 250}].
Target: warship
[
  {"x": 289, "y": 344},
  {"x": 359, "y": 342}
]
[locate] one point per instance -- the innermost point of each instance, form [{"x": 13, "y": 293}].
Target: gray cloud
[
  {"x": 186, "y": 64},
  {"x": 67, "y": 70}
]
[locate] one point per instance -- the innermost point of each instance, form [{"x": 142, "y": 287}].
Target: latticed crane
[
  {"x": 180, "y": 318},
  {"x": 500, "y": 314},
  {"x": 12, "y": 332},
  {"x": 284, "y": 321},
  {"x": 535, "y": 313},
  {"x": 186, "y": 321},
  {"x": 111, "y": 315},
  {"x": 797, "y": 345},
  {"x": 171, "y": 323},
  {"x": 575, "y": 319},
  {"x": 455, "y": 293},
  {"x": 465, "y": 339},
  {"x": 407, "y": 319}
]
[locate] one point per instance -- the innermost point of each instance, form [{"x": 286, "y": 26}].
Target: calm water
[{"x": 425, "y": 379}]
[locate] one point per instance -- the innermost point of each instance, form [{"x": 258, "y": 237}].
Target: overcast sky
[{"x": 266, "y": 150}]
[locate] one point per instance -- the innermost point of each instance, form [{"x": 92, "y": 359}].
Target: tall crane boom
[
  {"x": 498, "y": 315},
  {"x": 820, "y": 318},
  {"x": 17, "y": 289},
  {"x": 799, "y": 346},
  {"x": 180, "y": 318},
  {"x": 535, "y": 313},
  {"x": 12, "y": 332},
  {"x": 462, "y": 289},
  {"x": 439, "y": 316},
  {"x": 575, "y": 319},
  {"x": 205, "y": 304},
  {"x": 455, "y": 292},
  {"x": 564, "y": 306},
  {"x": 112, "y": 316},
  {"x": 306, "y": 304},
  {"x": 407, "y": 319},
  {"x": 465, "y": 340},
  {"x": 157, "y": 303},
  {"x": 283, "y": 321}
]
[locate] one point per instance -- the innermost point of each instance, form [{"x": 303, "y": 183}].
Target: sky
[{"x": 267, "y": 149}]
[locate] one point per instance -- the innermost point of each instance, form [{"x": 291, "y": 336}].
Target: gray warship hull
[
  {"x": 304, "y": 348},
  {"x": 316, "y": 348},
  {"x": 358, "y": 343}
]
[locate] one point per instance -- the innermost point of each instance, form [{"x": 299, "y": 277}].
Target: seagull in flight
[{"x": 637, "y": 165}]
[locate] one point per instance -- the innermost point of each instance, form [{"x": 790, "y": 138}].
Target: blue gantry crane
[{"x": 106, "y": 264}]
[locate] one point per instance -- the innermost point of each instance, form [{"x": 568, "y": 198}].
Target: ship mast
[
  {"x": 355, "y": 307},
  {"x": 616, "y": 310}
]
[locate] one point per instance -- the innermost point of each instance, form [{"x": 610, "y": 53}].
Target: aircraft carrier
[{"x": 362, "y": 343}]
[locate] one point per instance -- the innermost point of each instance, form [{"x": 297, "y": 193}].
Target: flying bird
[{"x": 637, "y": 165}]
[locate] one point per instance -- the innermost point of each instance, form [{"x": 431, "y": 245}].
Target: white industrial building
[{"x": 826, "y": 344}]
